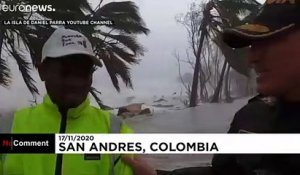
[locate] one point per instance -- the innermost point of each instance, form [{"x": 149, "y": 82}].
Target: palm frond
[
  {"x": 127, "y": 41},
  {"x": 230, "y": 13},
  {"x": 120, "y": 50},
  {"x": 95, "y": 93},
  {"x": 233, "y": 10},
  {"x": 121, "y": 53},
  {"x": 5, "y": 76},
  {"x": 24, "y": 66},
  {"x": 117, "y": 68},
  {"x": 238, "y": 6},
  {"x": 125, "y": 16},
  {"x": 33, "y": 39}
]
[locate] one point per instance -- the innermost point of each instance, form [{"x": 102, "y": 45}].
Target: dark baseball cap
[{"x": 275, "y": 17}]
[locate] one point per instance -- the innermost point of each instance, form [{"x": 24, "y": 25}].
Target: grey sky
[
  {"x": 157, "y": 72},
  {"x": 155, "y": 75}
]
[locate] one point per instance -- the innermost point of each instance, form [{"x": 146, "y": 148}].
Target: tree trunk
[
  {"x": 194, "y": 96},
  {"x": 228, "y": 98},
  {"x": 202, "y": 84},
  {"x": 216, "y": 96}
]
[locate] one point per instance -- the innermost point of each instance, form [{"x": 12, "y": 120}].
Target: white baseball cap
[{"x": 65, "y": 42}]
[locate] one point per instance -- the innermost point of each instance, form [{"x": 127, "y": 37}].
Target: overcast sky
[
  {"x": 157, "y": 72},
  {"x": 155, "y": 75}
]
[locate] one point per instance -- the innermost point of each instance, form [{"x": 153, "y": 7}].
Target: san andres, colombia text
[{"x": 138, "y": 147}]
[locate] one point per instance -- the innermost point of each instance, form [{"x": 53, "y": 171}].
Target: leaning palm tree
[
  {"x": 115, "y": 45},
  {"x": 231, "y": 13},
  {"x": 215, "y": 16}
]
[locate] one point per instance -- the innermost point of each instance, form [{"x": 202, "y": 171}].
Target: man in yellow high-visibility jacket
[{"x": 66, "y": 67}]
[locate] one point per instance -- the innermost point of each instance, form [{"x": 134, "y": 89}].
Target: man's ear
[{"x": 42, "y": 71}]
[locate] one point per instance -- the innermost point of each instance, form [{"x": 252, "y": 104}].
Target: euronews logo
[{"x": 25, "y": 8}]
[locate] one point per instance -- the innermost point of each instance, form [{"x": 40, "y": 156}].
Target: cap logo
[
  {"x": 73, "y": 40},
  {"x": 280, "y": 1},
  {"x": 255, "y": 28},
  {"x": 83, "y": 43}
]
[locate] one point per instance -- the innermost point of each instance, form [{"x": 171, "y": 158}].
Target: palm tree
[
  {"x": 231, "y": 13},
  {"x": 215, "y": 16},
  {"x": 115, "y": 45}
]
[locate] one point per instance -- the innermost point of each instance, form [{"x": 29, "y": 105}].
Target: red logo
[{"x": 6, "y": 143}]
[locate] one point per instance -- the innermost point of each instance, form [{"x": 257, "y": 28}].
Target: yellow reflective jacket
[{"x": 45, "y": 118}]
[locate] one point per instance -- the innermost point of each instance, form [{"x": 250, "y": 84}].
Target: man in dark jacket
[{"x": 274, "y": 37}]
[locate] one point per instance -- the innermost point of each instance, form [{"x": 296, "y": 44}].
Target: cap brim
[
  {"x": 245, "y": 35},
  {"x": 58, "y": 53},
  {"x": 92, "y": 57}
]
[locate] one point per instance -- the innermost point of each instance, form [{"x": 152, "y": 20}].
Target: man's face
[
  {"x": 277, "y": 63},
  {"x": 68, "y": 79}
]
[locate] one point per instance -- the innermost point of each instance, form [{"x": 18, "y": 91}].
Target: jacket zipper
[{"x": 59, "y": 157}]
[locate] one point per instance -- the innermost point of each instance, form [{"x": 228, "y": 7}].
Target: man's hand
[{"x": 139, "y": 165}]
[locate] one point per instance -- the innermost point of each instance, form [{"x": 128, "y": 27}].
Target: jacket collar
[{"x": 72, "y": 112}]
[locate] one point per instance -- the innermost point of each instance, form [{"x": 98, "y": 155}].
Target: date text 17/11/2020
[{"x": 57, "y": 22}]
